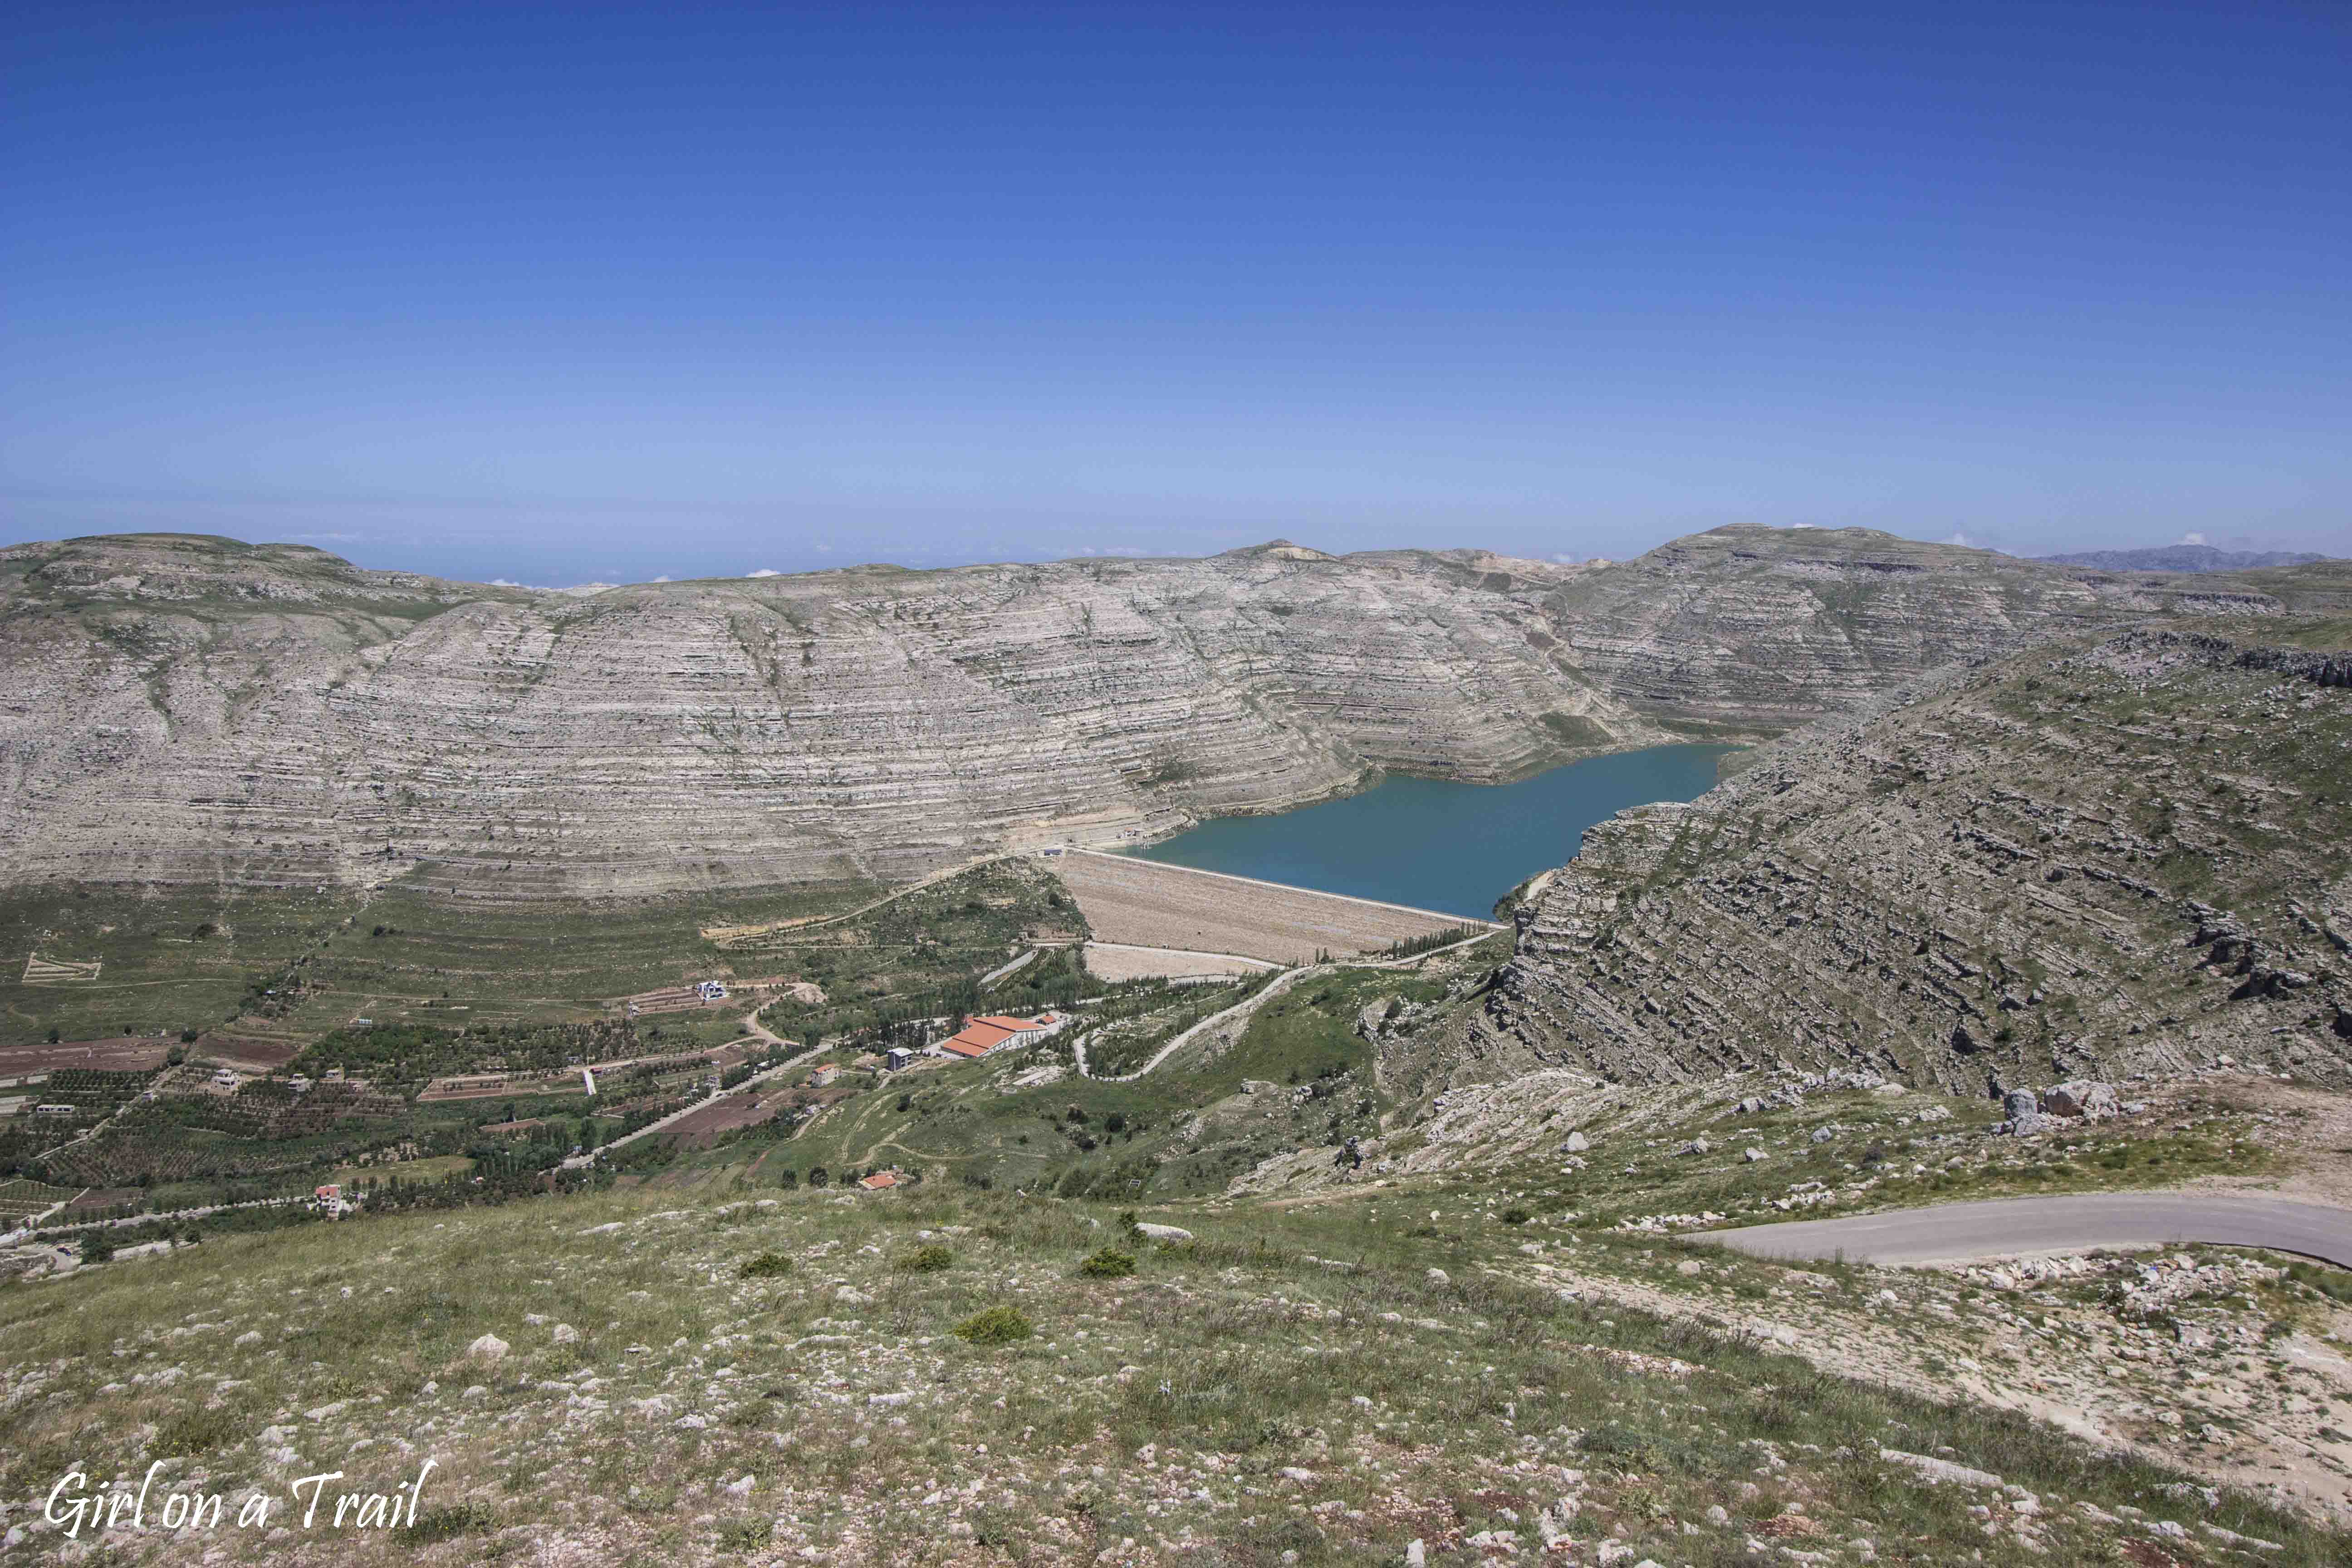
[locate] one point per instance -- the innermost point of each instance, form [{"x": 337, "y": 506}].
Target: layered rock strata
[
  {"x": 180, "y": 710},
  {"x": 2126, "y": 856}
]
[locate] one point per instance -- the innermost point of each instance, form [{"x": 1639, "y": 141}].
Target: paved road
[{"x": 1950, "y": 1233}]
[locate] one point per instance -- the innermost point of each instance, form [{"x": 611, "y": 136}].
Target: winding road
[{"x": 2009, "y": 1227}]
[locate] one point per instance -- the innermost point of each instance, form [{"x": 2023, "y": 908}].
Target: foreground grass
[{"x": 1298, "y": 1382}]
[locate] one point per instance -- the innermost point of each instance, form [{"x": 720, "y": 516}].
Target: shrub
[
  {"x": 457, "y": 1519},
  {"x": 767, "y": 1266},
  {"x": 193, "y": 1432},
  {"x": 745, "y": 1534},
  {"x": 999, "y": 1325},
  {"x": 1637, "y": 1452},
  {"x": 931, "y": 1259},
  {"x": 1516, "y": 1216},
  {"x": 1109, "y": 1264}
]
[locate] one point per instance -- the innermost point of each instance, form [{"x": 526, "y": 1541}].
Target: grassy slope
[{"x": 1239, "y": 1394}]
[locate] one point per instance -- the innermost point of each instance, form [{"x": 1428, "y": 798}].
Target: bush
[
  {"x": 745, "y": 1534},
  {"x": 1516, "y": 1216},
  {"x": 767, "y": 1266},
  {"x": 193, "y": 1432},
  {"x": 932, "y": 1260},
  {"x": 997, "y": 1325},
  {"x": 1109, "y": 1264},
  {"x": 457, "y": 1519}
]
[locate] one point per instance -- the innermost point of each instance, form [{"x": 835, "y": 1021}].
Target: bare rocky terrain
[
  {"x": 2122, "y": 856},
  {"x": 195, "y": 711}
]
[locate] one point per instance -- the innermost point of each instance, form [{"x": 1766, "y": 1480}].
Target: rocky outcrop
[
  {"x": 183, "y": 709},
  {"x": 2119, "y": 857},
  {"x": 1749, "y": 631},
  {"x": 180, "y": 710}
]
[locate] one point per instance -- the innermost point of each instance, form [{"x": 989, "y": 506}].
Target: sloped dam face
[{"x": 1437, "y": 845}]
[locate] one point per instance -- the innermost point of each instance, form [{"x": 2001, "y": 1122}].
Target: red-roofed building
[
  {"x": 996, "y": 1030},
  {"x": 879, "y": 1180}
]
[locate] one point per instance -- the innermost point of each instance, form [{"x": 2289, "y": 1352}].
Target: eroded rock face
[
  {"x": 1747, "y": 630},
  {"x": 193, "y": 710},
  {"x": 2113, "y": 857},
  {"x": 184, "y": 710}
]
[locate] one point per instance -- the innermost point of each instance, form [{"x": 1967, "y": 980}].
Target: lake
[{"x": 1438, "y": 844}]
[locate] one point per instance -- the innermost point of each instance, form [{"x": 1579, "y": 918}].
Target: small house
[{"x": 896, "y": 1058}]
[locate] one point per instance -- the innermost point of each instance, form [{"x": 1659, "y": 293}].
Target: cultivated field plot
[
  {"x": 22, "y": 1199},
  {"x": 1115, "y": 963},
  {"x": 126, "y": 1053},
  {"x": 1143, "y": 903},
  {"x": 703, "y": 1127},
  {"x": 261, "y": 1053}
]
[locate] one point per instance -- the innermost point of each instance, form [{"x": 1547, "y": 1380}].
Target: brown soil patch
[
  {"x": 705, "y": 1126},
  {"x": 118, "y": 1055}
]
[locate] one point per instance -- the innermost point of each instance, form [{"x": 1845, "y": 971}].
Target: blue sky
[{"x": 618, "y": 292}]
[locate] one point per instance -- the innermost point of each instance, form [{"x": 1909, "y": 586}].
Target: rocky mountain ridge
[
  {"x": 2121, "y": 856},
  {"x": 191, "y": 711}
]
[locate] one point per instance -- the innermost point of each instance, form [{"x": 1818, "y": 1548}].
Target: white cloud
[
  {"x": 763, "y": 571},
  {"x": 2192, "y": 539},
  {"x": 1804, "y": 525},
  {"x": 663, "y": 578},
  {"x": 504, "y": 583},
  {"x": 1962, "y": 540}
]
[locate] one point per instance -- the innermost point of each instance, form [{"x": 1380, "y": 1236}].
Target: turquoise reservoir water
[{"x": 1437, "y": 844}]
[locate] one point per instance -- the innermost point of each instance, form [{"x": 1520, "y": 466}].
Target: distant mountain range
[
  {"x": 192, "y": 711},
  {"x": 2183, "y": 558}
]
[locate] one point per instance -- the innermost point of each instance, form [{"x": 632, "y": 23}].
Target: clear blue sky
[{"x": 613, "y": 291}]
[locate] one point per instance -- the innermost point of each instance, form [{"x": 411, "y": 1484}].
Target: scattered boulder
[
  {"x": 1934, "y": 1469},
  {"x": 2018, "y": 1102},
  {"x": 1575, "y": 1143},
  {"x": 1164, "y": 1232},
  {"x": 2085, "y": 1097},
  {"x": 489, "y": 1347},
  {"x": 566, "y": 1334}
]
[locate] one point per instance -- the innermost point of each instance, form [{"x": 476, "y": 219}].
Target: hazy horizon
[{"x": 396, "y": 564}]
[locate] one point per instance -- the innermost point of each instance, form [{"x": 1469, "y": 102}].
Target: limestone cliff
[
  {"x": 2127, "y": 854},
  {"x": 189, "y": 709}
]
